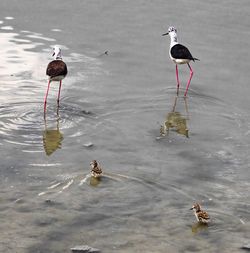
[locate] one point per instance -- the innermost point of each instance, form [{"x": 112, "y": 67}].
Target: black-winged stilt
[
  {"x": 179, "y": 54},
  {"x": 56, "y": 71}
]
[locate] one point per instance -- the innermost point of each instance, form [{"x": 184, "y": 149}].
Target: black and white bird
[
  {"x": 179, "y": 54},
  {"x": 56, "y": 71}
]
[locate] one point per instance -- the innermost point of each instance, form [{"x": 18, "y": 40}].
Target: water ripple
[{"x": 23, "y": 88}]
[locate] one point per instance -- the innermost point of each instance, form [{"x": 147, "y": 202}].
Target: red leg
[
  {"x": 45, "y": 102},
  {"x": 189, "y": 79},
  {"x": 178, "y": 84},
  {"x": 59, "y": 93}
]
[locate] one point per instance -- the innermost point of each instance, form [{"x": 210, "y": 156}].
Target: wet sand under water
[{"x": 159, "y": 154}]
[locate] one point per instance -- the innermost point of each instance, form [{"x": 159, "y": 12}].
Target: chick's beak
[{"x": 165, "y": 34}]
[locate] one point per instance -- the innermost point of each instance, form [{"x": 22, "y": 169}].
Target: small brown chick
[
  {"x": 200, "y": 215},
  {"x": 96, "y": 171}
]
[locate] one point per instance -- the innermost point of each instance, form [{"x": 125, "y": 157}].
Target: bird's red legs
[
  {"x": 178, "y": 84},
  {"x": 189, "y": 79},
  {"x": 45, "y": 102},
  {"x": 59, "y": 93}
]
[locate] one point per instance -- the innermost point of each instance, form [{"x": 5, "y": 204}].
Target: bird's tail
[{"x": 196, "y": 59}]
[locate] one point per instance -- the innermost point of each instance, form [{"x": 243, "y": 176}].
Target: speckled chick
[
  {"x": 200, "y": 215},
  {"x": 96, "y": 171}
]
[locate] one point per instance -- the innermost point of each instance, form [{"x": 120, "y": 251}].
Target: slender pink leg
[
  {"x": 178, "y": 84},
  {"x": 189, "y": 79},
  {"x": 45, "y": 102},
  {"x": 59, "y": 92}
]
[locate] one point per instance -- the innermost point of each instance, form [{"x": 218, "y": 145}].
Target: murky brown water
[{"x": 159, "y": 154}]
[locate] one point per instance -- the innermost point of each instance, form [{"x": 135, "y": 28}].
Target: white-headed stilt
[
  {"x": 56, "y": 71},
  {"x": 179, "y": 54}
]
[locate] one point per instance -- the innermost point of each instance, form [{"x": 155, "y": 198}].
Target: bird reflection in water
[
  {"x": 198, "y": 226},
  {"x": 176, "y": 121},
  {"x": 94, "y": 181},
  {"x": 52, "y": 138}
]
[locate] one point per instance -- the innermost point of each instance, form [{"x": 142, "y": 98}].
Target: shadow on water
[{"x": 176, "y": 121}]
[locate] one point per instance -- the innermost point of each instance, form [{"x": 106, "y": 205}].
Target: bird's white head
[
  {"x": 94, "y": 164},
  {"x": 196, "y": 207},
  {"x": 171, "y": 31},
  {"x": 57, "y": 52},
  {"x": 173, "y": 35}
]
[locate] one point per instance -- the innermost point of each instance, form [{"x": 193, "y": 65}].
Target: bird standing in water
[
  {"x": 179, "y": 54},
  {"x": 96, "y": 170},
  {"x": 56, "y": 71},
  {"x": 200, "y": 215}
]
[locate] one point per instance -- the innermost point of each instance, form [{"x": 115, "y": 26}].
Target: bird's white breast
[
  {"x": 178, "y": 61},
  {"x": 181, "y": 61},
  {"x": 196, "y": 216},
  {"x": 56, "y": 78}
]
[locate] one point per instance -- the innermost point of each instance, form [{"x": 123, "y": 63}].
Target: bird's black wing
[
  {"x": 179, "y": 51},
  {"x": 56, "y": 68}
]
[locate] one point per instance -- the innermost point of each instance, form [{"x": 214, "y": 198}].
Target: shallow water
[{"x": 114, "y": 108}]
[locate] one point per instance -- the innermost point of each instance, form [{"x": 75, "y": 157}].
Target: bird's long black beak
[
  {"x": 165, "y": 34},
  {"x": 53, "y": 54},
  {"x": 191, "y": 208}
]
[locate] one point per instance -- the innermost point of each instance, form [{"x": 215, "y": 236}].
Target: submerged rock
[
  {"x": 88, "y": 145},
  {"x": 84, "y": 249}
]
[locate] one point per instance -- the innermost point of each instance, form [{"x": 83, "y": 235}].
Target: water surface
[{"x": 113, "y": 108}]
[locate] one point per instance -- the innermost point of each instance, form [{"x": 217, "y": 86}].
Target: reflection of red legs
[
  {"x": 178, "y": 84},
  {"x": 189, "y": 79},
  {"x": 59, "y": 93},
  {"x": 186, "y": 107},
  {"x": 173, "y": 110},
  {"x": 45, "y": 102}
]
